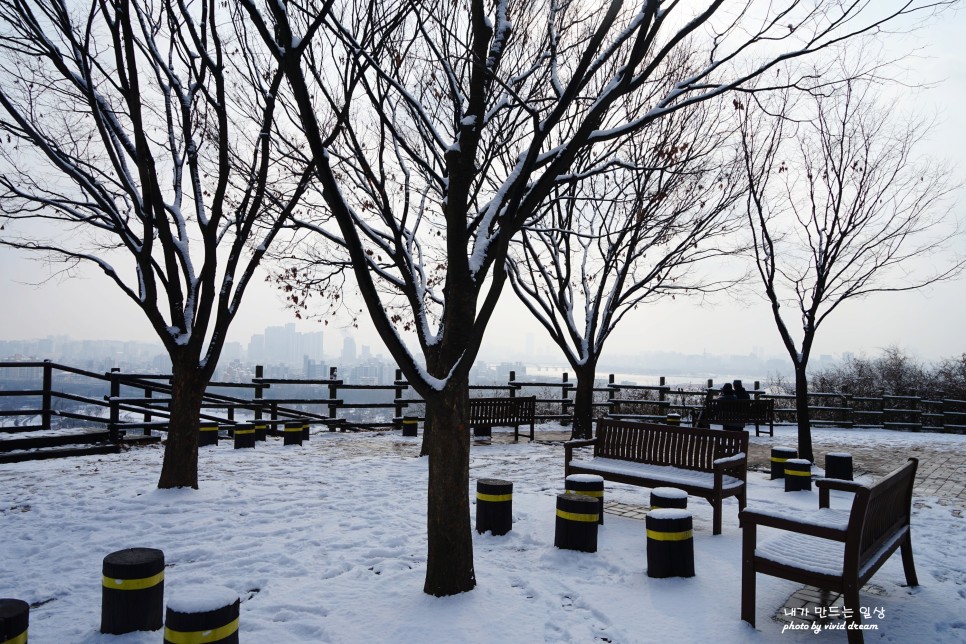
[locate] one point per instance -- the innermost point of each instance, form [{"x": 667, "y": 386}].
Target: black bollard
[
  {"x": 188, "y": 618},
  {"x": 589, "y": 485},
  {"x": 668, "y": 497},
  {"x": 207, "y": 435},
  {"x": 838, "y": 465},
  {"x": 779, "y": 455},
  {"x": 798, "y": 475},
  {"x": 14, "y": 619},
  {"x": 670, "y": 543},
  {"x": 132, "y": 595},
  {"x": 494, "y": 506},
  {"x": 261, "y": 431},
  {"x": 292, "y": 433},
  {"x": 410, "y": 425},
  {"x": 244, "y": 436},
  {"x": 576, "y": 527},
  {"x": 305, "y": 431}
]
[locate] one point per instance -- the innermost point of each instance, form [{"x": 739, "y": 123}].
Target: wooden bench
[
  {"x": 739, "y": 412},
  {"x": 708, "y": 463},
  {"x": 486, "y": 413},
  {"x": 836, "y": 550}
]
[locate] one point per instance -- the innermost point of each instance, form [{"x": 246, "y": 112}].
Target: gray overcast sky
[{"x": 928, "y": 323}]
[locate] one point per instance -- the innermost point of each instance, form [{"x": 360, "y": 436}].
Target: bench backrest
[
  {"x": 497, "y": 410},
  {"x": 685, "y": 447},
  {"x": 724, "y": 409},
  {"x": 879, "y": 512}
]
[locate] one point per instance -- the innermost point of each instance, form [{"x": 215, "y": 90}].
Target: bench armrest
[
  {"x": 569, "y": 447},
  {"x": 824, "y": 485},
  {"x": 728, "y": 462},
  {"x": 809, "y": 523}
]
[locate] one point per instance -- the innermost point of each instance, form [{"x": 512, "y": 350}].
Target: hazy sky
[{"x": 929, "y": 323}]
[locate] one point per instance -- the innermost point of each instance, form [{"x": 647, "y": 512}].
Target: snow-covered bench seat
[
  {"x": 707, "y": 463},
  {"x": 836, "y": 550}
]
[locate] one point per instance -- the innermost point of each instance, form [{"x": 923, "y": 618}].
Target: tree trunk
[
  {"x": 180, "y": 467},
  {"x": 584, "y": 401},
  {"x": 801, "y": 408},
  {"x": 449, "y": 564},
  {"x": 427, "y": 434}
]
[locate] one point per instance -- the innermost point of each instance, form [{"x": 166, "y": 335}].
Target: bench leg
[
  {"x": 716, "y": 520},
  {"x": 850, "y": 595},
  {"x": 748, "y": 538},
  {"x": 908, "y": 563}
]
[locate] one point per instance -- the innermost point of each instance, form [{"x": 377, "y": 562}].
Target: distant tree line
[{"x": 896, "y": 372}]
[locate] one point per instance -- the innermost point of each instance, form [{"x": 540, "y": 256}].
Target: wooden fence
[{"x": 125, "y": 403}]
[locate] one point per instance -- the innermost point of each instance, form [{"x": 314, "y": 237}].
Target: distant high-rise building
[
  {"x": 309, "y": 345},
  {"x": 313, "y": 369},
  {"x": 256, "y": 349},
  {"x": 348, "y": 350},
  {"x": 280, "y": 345}
]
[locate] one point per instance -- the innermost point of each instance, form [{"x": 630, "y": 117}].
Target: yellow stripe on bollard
[
  {"x": 797, "y": 473},
  {"x": 573, "y": 516},
  {"x": 293, "y": 429},
  {"x": 775, "y": 459},
  {"x": 670, "y": 536},
  {"x": 201, "y": 637},
  {"x": 133, "y": 584},
  {"x": 494, "y": 497},
  {"x": 17, "y": 639},
  {"x": 239, "y": 432}
]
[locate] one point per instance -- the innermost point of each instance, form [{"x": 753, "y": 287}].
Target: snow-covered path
[{"x": 326, "y": 543}]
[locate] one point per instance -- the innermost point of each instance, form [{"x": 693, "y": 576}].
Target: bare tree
[
  {"x": 840, "y": 208},
  {"x": 614, "y": 239},
  {"x": 139, "y": 138},
  {"x": 456, "y": 121}
]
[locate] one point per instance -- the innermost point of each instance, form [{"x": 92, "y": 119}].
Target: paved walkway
[{"x": 941, "y": 472}]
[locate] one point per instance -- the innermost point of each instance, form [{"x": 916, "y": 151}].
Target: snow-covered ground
[{"x": 326, "y": 543}]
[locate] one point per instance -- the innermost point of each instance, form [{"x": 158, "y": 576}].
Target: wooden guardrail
[{"x": 60, "y": 395}]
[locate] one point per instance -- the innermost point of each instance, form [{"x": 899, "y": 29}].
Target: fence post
[
  {"x": 397, "y": 420},
  {"x": 333, "y": 395},
  {"x": 148, "y": 417},
  {"x": 662, "y": 392},
  {"x": 510, "y": 383},
  {"x": 849, "y": 405},
  {"x": 563, "y": 400},
  {"x": 613, "y": 405},
  {"x": 757, "y": 389},
  {"x": 938, "y": 413},
  {"x": 882, "y": 408},
  {"x": 259, "y": 373},
  {"x": 46, "y": 396},
  {"x": 115, "y": 417}
]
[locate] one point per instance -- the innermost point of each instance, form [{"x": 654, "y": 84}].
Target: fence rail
[{"x": 60, "y": 395}]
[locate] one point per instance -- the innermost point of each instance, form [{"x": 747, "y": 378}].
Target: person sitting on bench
[{"x": 728, "y": 393}]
